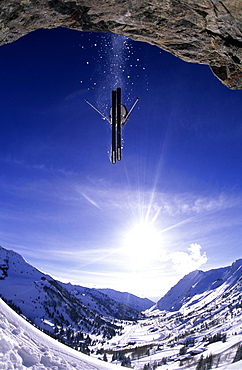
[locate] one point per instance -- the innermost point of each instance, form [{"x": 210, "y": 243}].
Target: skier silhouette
[{"x": 118, "y": 117}]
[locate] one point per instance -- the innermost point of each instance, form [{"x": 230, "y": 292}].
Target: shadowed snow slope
[
  {"x": 46, "y": 301},
  {"x": 139, "y": 304},
  {"x": 22, "y": 346}
]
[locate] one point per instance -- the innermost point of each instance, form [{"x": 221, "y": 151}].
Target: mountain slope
[
  {"x": 200, "y": 330},
  {"x": 198, "y": 285},
  {"x": 52, "y": 305},
  {"x": 139, "y": 304},
  {"x": 22, "y": 346},
  {"x": 203, "y": 319},
  {"x": 103, "y": 303}
]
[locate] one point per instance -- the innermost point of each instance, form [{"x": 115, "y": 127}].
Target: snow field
[
  {"x": 22, "y": 346},
  {"x": 141, "y": 334}
]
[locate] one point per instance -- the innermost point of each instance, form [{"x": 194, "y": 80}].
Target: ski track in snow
[{"x": 22, "y": 346}]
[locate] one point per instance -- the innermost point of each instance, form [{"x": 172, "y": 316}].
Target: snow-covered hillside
[
  {"x": 200, "y": 326},
  {"x": 206, "y": 333},
  {"x": 22, "y": 346},
  {"x": 139, "y": 304},
  {"x": 53, "y": 305},
  {"x": 202, "y": 286},
  {"x": 198, "y": 322}
]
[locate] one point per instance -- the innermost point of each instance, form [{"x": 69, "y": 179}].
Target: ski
[
  {"x": 117, "y": 118},
  {"x": 119, "y": 126},
  {"x": 114, "y": 122}
]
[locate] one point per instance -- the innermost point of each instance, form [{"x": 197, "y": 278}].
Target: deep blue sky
[{"x": 173, "y": 204}]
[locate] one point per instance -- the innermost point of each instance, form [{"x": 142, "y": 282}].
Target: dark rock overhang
[{"x": 206, "y": 31}]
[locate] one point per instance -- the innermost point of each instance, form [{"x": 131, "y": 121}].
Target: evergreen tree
[
  {"x": 238, "y": 355},
  {"x": 205, "y": 363},
  {"x": 164, "y": 361},
  {"x": 105, "y": 357},
  {"x": 209, "y": 362},
  {"x": 126, "y": 362},
  {"x": 115, "y": 356},
  {"x": 200, "y": 363}
]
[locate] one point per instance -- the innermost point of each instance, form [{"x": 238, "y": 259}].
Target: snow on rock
[{"x": 22, "y": 346}]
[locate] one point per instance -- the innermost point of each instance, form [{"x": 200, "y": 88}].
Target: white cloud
[
  {"x": 150, "y": 202},
  {"x": 91, "y": 201},
  {"x": 185, "y": 262}
]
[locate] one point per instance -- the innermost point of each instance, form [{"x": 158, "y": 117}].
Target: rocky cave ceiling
[{"x": 202, "y": 31}]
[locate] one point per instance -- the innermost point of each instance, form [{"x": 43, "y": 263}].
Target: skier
[{"x": 118, "y": 117}]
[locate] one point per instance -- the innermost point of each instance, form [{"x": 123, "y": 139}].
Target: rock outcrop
[{"x": 203, "y": 31}]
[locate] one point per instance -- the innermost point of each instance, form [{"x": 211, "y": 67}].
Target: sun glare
[{"x": 141, "y": 245}]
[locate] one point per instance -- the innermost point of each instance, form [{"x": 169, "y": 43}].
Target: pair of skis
[
  {"x": 116, "y": 150},
  {"x": 118, "y": 117}
]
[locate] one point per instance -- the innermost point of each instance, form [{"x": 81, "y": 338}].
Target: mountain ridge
[
  {"x": 199, "y": 282},
  {"x": 203, "y": 324},
  {"x": 54, "y": 306},
  {"x": 140, "y": 304}
]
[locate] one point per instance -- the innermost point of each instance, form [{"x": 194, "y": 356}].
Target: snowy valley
[{"x": 196, "y": 325}]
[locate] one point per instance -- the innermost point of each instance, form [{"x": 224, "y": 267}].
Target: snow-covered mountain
[
  {"x": 54, "y": 306},
  {"x": 206, "y": 335},
  {"x": 200, "y": 286},
  {"x": 196, "y": 325},
  {"x": 22, "y": 346},
  {"x": 139, "y": 304}
]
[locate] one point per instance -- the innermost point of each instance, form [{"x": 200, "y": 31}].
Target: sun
[{"x": 141, "y": 245}]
